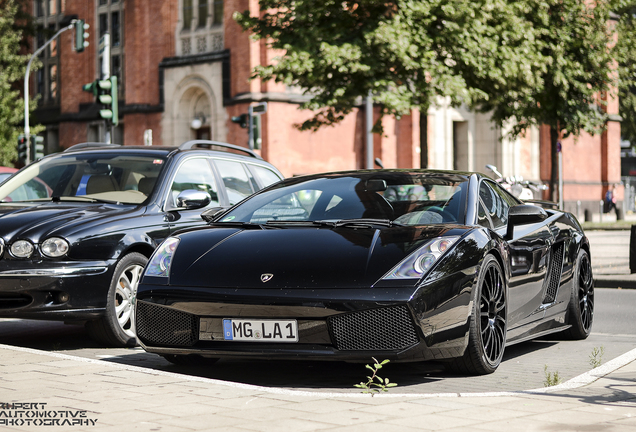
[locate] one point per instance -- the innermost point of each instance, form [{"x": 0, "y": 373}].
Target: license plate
[{"x": 260, "y": 330}]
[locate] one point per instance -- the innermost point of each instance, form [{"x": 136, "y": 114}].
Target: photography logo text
[{"x": 37, "y": 414}]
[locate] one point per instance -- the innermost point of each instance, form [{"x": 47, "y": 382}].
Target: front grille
[
  {"x": 12, "y": 301},
  {"x": 555, "y": 274},
  {"x": 388, "y": 328},
  {"x": 158, "y": 325}
]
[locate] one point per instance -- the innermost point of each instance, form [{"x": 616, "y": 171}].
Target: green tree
[
  {"x": 626, "y": 59},
  {"x": 406, "y": 52},
  {"x": 12, "y": 69},
  {"x": 576, "y": 43}
]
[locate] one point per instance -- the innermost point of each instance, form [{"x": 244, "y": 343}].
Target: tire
[
  {"x": 488, "y": 323},
  {"x": 117, "y": 327},
  {"x": 189, "y": 360},
  {"x": 581, "y": 306}
]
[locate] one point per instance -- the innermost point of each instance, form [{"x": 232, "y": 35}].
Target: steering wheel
[{"x": 446, "y": 215}]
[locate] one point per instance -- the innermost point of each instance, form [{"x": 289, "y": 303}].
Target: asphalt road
[{"x": 522, "y": 369}]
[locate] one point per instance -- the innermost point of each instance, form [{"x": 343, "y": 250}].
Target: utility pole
[
  {"x": 79, "y": 25},
  {"x": 369, "y": 125}
]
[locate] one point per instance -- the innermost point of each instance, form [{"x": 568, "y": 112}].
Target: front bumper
[
  {"x": 333, "y": 324},
  {"x": 54, "y": 290}
]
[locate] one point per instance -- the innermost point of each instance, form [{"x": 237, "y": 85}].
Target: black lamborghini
[{"x": 408, "y": 265}]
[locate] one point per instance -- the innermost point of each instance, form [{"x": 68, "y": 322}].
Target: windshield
[
  {"x": 96, "y": 176},
  {"x": 404, "y": 198}
]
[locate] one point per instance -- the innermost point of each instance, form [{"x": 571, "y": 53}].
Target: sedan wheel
[
  {"x": 488, "y": 323},
  {"x": 581, "y": 306},
  {"x": 117, "y": 327}
]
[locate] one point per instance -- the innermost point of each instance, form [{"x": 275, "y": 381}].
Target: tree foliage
[
  {"x": 13, "y": 23},
  {"x": 626, "y": 59},
  {"x": 406, "y": 52}
]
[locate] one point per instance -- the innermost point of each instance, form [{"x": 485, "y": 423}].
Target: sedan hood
[
  {"x": 294, "y": 257},
  {"x": 36, "y": 222}
]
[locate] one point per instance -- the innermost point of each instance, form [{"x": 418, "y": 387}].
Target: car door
[
  {"x": 192, "y": 174},
  {"x": 529, "y": 255}
]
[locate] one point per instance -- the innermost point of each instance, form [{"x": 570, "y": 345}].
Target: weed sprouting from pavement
[
  {"x": 551, "y": 378},
  {"x": 596, "y": 358},
  {"x": 371, "y": 386}
]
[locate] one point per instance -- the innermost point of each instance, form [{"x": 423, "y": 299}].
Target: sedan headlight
[
  {"x": 54, "y": 247},
  {"x": 417, "y": 264},
  {"x": 159, "y": 264},
  {"x": 22, "y": 249}
]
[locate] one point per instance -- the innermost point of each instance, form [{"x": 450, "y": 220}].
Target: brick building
[{"x": 183, "y": 68}]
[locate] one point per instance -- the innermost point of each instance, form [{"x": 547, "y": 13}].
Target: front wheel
[
  {"x": 117, "y": 327},
  {"x": 581, "y": 305},
  {"x": 488, "y": 322}
]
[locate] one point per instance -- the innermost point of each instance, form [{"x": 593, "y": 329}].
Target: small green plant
[
  {"x": 596, "y": 358},
  {"x": 551, "y": 378},
  {"x": 375, "y": 384}
]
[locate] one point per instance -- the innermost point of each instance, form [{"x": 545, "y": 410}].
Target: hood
[
  {"x": 294, "y": 257},
  {"x": 39, "y": 221}
]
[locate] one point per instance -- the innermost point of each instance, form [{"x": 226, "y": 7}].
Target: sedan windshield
[
  {"x": 91, "y": 177},
  {"x": 405, "y": 198}
]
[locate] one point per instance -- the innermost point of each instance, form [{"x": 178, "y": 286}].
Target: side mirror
[
  {"x": 524, "y": 214},
  {"x": 193, "y": 199}
]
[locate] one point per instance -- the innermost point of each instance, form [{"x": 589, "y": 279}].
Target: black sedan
[
  {"x": 407, "y": 265},
  {"x": 78, "y": 227}
]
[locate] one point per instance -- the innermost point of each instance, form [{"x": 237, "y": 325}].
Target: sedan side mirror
[
  {"x": 193, "y": 199},
  {"x": 524, "y": 214}
]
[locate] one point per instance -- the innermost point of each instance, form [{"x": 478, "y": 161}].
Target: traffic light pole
[
  {"x": 104, "y": 51},
  {"x": 27, "y": 130}
]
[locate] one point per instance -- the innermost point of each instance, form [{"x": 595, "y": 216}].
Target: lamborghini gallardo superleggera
[{"x": 408, "y": 265}]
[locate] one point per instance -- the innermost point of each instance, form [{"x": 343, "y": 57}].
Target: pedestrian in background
[{"x": 609, "y": 202}]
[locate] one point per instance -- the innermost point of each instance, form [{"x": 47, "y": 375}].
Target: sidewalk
[
  {"x": 610, "y": 258},
  {"x": 41, "y": 388}
]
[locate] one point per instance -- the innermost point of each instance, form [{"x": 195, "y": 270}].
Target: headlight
[
  {"x": 22, "y": 249},
  {"x": 417, "y": 264},
  {"x": 54, "y": 247},
  {"x": 159, "y": 264}
]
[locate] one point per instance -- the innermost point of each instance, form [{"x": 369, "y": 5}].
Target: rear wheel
[
  {"x": 581, "y": 306},
  {"x": 488, "y": 323},
  {"x": 117, "y": 327}
]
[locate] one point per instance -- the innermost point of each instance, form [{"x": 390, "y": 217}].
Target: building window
[
  {"x": 218, "y": 12},
  {"x": 202, "y": 26},
  {"x": 187, "y": 14},
  {"x": 48, "y": 14}
]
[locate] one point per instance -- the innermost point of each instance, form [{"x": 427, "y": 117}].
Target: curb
[{"x": 615, "y": 282}]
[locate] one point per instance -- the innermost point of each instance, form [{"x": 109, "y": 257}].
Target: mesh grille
[
  {"x": 157, "y": 325},
  {"x": 555, "y": 274},
  {"x": 388, "y": 328}
]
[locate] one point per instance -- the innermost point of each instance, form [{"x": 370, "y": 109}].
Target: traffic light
[
  {"x": 22, "y": 149},
  {"x": 81, "y": 35},
  {"x": 105, "y": 92},
  {"x": 241, "y": 120},
  {"x": 37, "y": 147}
]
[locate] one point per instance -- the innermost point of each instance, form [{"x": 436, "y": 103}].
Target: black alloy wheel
[
  {"x": 488, "y": 323},
  {"x": 581, "y": 306}
]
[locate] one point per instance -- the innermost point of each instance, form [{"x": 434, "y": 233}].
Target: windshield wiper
[
  {"x": 362, "y": 222},
  {"x": 83, "y": 199}
]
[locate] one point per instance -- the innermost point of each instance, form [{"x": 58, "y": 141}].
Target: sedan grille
[
  {"x": 555, "y": 274},
  {"x": 388, "y": 328},
  {"x": 158, "y": 325}
]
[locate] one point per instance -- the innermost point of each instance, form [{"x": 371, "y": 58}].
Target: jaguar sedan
[
  {"x": 78, "y": 227},
  {"x": 407, "y": 265}
]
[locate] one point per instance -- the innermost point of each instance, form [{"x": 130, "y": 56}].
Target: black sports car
[
  {"x": 78, "y": 227},
  {"x": 408, "y": 265}
]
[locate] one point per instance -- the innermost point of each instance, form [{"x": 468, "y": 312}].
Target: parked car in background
[
  {"x": 406, "y": 265},
  {"x": 6, "y": 172},
  {"x": 77, "y": 227}
]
